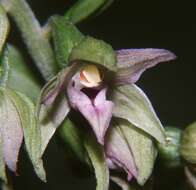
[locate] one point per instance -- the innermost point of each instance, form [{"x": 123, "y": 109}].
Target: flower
[
  {"x": 88, "y": 95},
  {"x": 99, "y": 83}
]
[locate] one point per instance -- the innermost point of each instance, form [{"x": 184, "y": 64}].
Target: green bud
[
  {"x": 188, "y": 144},
  {"x": 170, "y": 152}
]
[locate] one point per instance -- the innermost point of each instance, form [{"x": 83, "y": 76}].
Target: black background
[{"x": 134, "y": 24}]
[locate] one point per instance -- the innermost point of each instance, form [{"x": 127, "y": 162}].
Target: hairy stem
[{"x": 32, "y": 33}]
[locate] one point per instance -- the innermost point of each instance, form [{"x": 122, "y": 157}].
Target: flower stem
[{"x": 32, "y": 33}]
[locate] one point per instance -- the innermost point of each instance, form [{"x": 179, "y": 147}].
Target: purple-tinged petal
[
  {"x": 133, "y": 62},
  {"x": 97, "y": 112},
  {"x": 119, "y": 152},
  {"x": 56, "y": 85}
]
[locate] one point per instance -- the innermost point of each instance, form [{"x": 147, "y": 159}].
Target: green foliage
[
  {"x": 65, "y": 36},
  {"x": 104, "y": 6},
  {"x": 84, "y": 8}
]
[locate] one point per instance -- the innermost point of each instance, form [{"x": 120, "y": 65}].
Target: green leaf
[
  {"x": 65, "y": 36},
  {"x": 133, "y": 105},
  {"x": 143, "y": 149},
  {"x": 16, "y": 75},
  {"x": 82, "y": 9},
  {"x": 73, "y": 137},
  {"x": 32, "y": 136},
  {"x": 95, "y": 51},
  {"x": 97, "y": 157},
  {"x": 4, "y": 27},
  {"x": 104, "y": 7}
]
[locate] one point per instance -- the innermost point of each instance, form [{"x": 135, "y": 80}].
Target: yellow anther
[{"x": 90, "y": 76}]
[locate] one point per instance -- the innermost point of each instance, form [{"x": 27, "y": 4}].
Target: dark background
[{"x": 133, "y": 24}]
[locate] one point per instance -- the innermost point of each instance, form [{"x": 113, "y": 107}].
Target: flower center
[{"x": 90, "y": 76}]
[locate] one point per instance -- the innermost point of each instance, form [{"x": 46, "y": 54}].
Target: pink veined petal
[
  {"x": 133, "y": 62},
  {"x": 98, "y": 112},
  {"x": 118, "y": 152}
]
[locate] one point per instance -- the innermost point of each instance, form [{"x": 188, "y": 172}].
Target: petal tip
[{"x": 169, "y": 55}]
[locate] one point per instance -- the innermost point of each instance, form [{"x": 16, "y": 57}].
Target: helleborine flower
[{"x": 99, "y": 83}]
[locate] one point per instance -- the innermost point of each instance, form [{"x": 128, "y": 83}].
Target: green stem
[{"x": 37, "y": 44}]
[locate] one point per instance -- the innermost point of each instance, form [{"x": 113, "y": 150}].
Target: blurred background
[{"x": 170, "y": 86}]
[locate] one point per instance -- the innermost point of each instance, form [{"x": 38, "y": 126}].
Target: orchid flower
[{"x": 100, "y": 84}]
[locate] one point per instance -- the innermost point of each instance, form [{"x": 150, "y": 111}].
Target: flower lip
[
  {"x": 91, "y": 76},
  {"x": 91, "y": 93}
]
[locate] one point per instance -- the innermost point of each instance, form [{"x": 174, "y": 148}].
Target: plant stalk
[{"x": 38, "y": 45}]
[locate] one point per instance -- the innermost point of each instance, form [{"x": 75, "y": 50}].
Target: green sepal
[
  {"x": 98, "y": 160},
  {"x": 82, "y": 9},
  {"x": 94, "y": 51},
  {"x": 133, "y": 105},
  {"x": 169, "y": 153},
  {"x": 52, "y": 105},
  {"x": 143, "y": 149},
  {"x": 65, "y": 36}
]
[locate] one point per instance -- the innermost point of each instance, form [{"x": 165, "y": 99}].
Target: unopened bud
[
  {"x": 170, "y": 152},
  {"x": 188, "y": 144}
]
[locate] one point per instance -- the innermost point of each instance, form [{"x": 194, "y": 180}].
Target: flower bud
[
  {"x": 170, "y": 152},
  {"x": 188, "y": 144}
]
